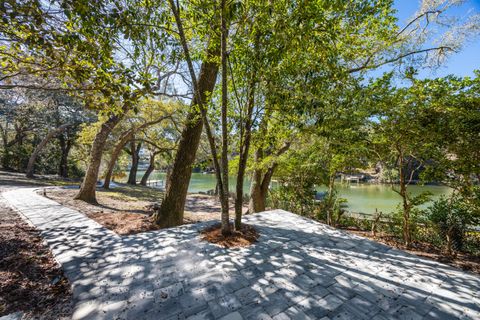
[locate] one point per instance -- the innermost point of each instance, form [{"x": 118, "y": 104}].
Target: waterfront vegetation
[{"x": 292, "y": 92}]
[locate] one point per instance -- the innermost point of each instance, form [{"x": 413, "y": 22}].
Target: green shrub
[
  {"x": 295, "y": 199},
  {"x": 331, "y": 206},
  {"x": 452, "y": 218}
]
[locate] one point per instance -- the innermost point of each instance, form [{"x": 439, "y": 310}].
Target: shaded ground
[
  {"x": 298, "y": 269},
  {"x": 461, "y": 260},
  {"x": 124, "y": 209},
  {"x": 30, "y": 279},
  {"x": 10, "y": 179},
  {"x": 127, "y": 209}
]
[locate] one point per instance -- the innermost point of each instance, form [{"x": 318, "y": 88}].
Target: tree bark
[
  {"x": 135, "y": 152},
  {"x": 406, "y": 205},
  {"x": 331, "y": 187},
  {"x": 171, "y": 209},
  {"x": 225, "y": 194},
  {"x": 65, "y": 146},
  {"x": 40, "y": 146},
  {"x": 257, "y": 196},
  {"x": 151, "y": 167},
  {"x": 259, "y": 186},
  {"x": 261, "y": 180},
  {"x": 5, "y": 156},
  {"x": 89, "y": 184},
  {"x": 242, "y": 163},
  {"x": 114, "y": 156}
]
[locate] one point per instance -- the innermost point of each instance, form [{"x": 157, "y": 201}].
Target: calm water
[{"x": 361, "y": 197}]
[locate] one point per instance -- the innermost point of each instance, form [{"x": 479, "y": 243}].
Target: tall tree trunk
[
  {"x": 242, "y": 163},
  {"x": 6, "y": 152},
  {"x": 171, "y": 209},
  {"x": 40, "y": 146},
  {"x": 6, "y": 157},
  {"x": 114, "y": 156},
  {"x": 167, "y": 176},
  {"x": 173, "y": 204},
  {"x": 261, "y": 180},
  {"x": 406, "y": 207},
  {"x": 257, "y": 196},
  {"x": 62, "y": 166},
  {"x": 65, "y": 146},
  {"x": 224, "y": 195},
  {"x": 331, "y": 188},
  {"x": 89, "y": 184},
  {"x": 405, "y": 203},
  {"x": 135, "y": 151},
  {"x": 151, "y": 167},
  {"x": 259, "y": 189}
]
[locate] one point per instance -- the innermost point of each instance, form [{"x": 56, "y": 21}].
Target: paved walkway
[{"x": 299, "y": 269}]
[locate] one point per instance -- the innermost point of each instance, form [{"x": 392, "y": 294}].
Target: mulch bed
[
  {"x": 244, "y": 237},
  {"x": 462, "y": 261},
  {"x": 125, "y": 223},
  {"x": 30, "y": 279}
]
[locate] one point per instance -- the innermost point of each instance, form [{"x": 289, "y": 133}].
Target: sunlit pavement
[{"x": 299, "y": 269}]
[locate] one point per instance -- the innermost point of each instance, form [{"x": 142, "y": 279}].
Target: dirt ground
[
  {"x": 461, "y": 261},
  {"x": 30, "y": 279},
  {"x": 127, "y": 209}
]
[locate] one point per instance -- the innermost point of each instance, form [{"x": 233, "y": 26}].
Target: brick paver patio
[{"x": 299, "y": 269}]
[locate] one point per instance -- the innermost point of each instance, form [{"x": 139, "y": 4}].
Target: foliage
[
  {"x": 299, "y": 201},
  {"x": 452, "y": 218},
  {"x": 332, "y": 208},
  {"x": 26, "y": 116},
  {"x": 294, "y": 91},
  {"x": 416, "y": 223}
]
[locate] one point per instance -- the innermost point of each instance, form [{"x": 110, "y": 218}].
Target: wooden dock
[
  {"x": 352, "y": 178},
  {"x": 156, "y": 183}
]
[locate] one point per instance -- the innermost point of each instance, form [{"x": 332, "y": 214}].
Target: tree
[
  {"x": 89, "y": 183},
  {"x": 404, "y": 140},
  {"x": 152, "y": 113},
  {"x": 308, "y": 62},
  {"x": 66, "y": 140},
  {"x": 150, "y": 168},
  {"x": 333, "y": 140},
  {"x": 101, "y": 52},
  {"x": 171, "y": 209},
  {"x": 135, "y": 154},
  {"x": 457, "y": 103},
  {"x": 41, "y": 145},
  {"x": 62, "y": 112},
  {"x": 29, "y": 116}
]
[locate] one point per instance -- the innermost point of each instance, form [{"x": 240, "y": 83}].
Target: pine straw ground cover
[
  {"x": 30, "y": 279},
  {"x": 244, "y": 237}
]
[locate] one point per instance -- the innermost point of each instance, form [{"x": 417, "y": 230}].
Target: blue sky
[{"x": 459, "y": 64}]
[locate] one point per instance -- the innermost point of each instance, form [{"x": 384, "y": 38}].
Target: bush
[
  {"x": 331, "y": 206},
  {"x": 295, "y": 199},
  {"x": 452, "y": 218}
]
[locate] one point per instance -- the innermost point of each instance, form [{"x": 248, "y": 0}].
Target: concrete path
[{"x": 300, "y": 269}]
